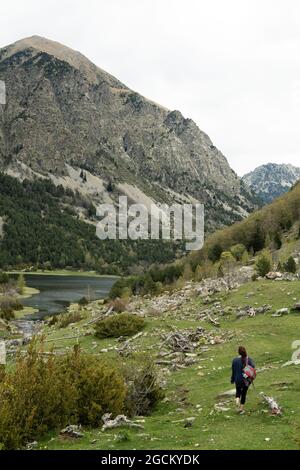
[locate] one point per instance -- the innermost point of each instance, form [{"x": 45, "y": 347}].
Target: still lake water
[{"x": 57, "y": 292}]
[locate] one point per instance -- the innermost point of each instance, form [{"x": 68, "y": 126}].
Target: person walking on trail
[{"x": 238, "y": 377}]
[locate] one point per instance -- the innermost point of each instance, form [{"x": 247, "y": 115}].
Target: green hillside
[
  {"x": 192, "y": 392},
  {"x": 42, "y": 230}
]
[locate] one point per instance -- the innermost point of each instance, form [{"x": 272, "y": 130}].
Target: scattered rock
[
  {"x": 273, "y": 405},
  {"x": 120, "y": 420},
  {"x": 72, "y": 431},
  {"x": 282, "y": 311},
  {"x": 272, "y": 275},
  {"x": 250, "y": 311},
  {"x": 297, "y": 306},
  {"x": 31, "y": 445},
  {"x": 227, "y": 394}
]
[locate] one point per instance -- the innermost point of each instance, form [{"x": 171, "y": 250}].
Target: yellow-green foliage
[
  {"x": 100, "y": 387},
  {"x": 21, "y": 283},
  {"x": 263, "y": 264},
  {"x": 262, "y": 229},
  {"x": 122, "y": 324},
  {"x": 238, "y": 251},
  {"x": 227, "y": 261},
  {"x": 44, "y": 393}
]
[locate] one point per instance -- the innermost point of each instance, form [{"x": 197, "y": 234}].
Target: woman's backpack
[{"x": 249, "y": 373}]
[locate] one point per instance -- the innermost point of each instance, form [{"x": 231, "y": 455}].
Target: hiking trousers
[{"x": 241, "y": 392}]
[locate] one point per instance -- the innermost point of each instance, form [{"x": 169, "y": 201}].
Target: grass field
[{"x": 193, "y": 392}]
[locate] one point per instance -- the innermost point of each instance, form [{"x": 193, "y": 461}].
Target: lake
[{"x": 57, "y": 292}]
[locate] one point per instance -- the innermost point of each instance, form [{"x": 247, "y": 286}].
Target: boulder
[
  {"x": 282, "y": 311},
  {"x": 72, "y": 431},
  {"x": 274, "y": 275},
  {"x": 228, "y": 393}
]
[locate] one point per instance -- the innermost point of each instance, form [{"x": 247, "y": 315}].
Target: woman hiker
[{"x": 242, "y": 385}]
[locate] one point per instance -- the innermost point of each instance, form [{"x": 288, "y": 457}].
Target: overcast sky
[{"x": 231, "y": 65}]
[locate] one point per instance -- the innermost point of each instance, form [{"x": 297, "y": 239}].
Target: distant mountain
[
  {"x": 64, "y": 115},
  {"x": 271, "y": 180}
]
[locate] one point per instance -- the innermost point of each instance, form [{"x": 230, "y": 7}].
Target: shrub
[
  {"x": 263, "y": 265},
  {"x": 53, "y": 320},
  {"x": 21, "y": 284},
  {"x": 290, "y": 266},
  {"x": 238, "y": 251},
  {"x": 215, "y": 252},
  {"x": 8, "y": 305},
  {"x": 227, "y": 261},
  {"x": 33, "y": 398},
  {"x": 100, "y": 387},
  {"x": 122, "y": 324},
  {"x": 143, "y": 388},
  {"x": 7, "y": 314},
  {"x": 4, "y": 278},
  {"x": 43, "y": 394},
  {"x": 83, "y": 301},
  {"x": 119, "y": 305},
  {"x": 68, "y": 318}
]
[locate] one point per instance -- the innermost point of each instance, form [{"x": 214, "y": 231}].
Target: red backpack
[{"x": 249, "y": 373}]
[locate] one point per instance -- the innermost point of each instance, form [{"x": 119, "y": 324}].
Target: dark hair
[{"x": 242, "y": 352}]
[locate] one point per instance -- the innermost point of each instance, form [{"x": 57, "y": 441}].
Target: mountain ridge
[
  {"x": 64, "y": 114},
  {"x": 272, "y": 180}
]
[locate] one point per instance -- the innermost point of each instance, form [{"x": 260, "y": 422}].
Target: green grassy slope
[{"x": 193, "y": 391}]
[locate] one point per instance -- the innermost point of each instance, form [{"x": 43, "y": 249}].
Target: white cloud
[{"x": 233, "y": 66}]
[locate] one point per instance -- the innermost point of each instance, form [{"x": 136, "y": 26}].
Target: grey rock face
[
  {"x": 271, "y": 180},
  {"x": 63, "y": 112}
]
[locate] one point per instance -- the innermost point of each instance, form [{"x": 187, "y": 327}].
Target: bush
[
  {"x": 215, "y": 252},
  {"x": 7, "y": 314},
  {"x": 122, "y": 324},
  {"x": 227, "y": 261},
  {"x": 143, "y": 388},
  {"x": 68, "y": 318},
  {"x": 119, "y": 305},
  {"x": 290, "y": 266},
  {"x": 83, "y": 301},
  {"x": 4, "y": 278},
  {"x": 238, "y": 251},
  {"x": 100, "y": 387},
  {"x": 263, "y": 265},
  {"x": 8, "y": 305},
  {"x": 43, "y": 394}
]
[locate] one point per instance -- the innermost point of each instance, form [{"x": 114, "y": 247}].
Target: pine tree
[{"x": 21, "y": 283}]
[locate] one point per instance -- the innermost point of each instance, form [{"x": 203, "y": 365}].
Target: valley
[{"x": 193, "y": 393}]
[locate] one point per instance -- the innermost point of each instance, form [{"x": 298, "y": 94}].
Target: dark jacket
[{"x": 237, "y": 370}]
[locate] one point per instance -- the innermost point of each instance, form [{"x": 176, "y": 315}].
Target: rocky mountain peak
[
  {"x": 272, "y": 180},
  {"x": 65, "y": 114}
]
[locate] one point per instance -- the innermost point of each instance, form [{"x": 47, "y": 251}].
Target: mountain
[
  {"x": 271, "y": 180},
  {"x": 64, "y": 116}
]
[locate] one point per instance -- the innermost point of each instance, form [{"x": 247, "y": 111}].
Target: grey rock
[{"x": 72, "y": 431}]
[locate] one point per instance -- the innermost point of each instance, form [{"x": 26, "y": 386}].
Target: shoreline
[
  {"x": 28, "y": 292},
  {"x": 64, "y": 273}
]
